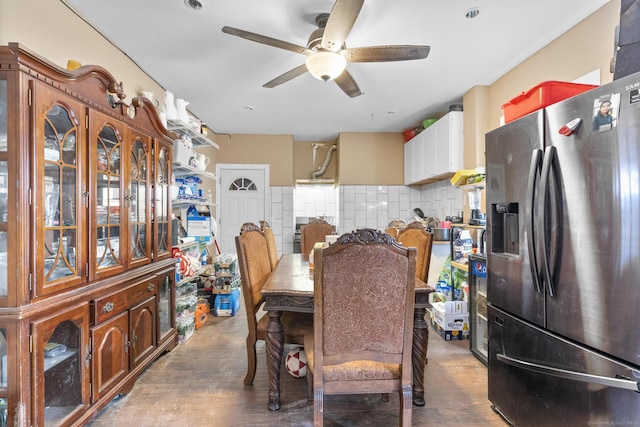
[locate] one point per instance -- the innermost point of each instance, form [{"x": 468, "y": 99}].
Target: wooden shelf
[
  {"x": 181, "y": 169},
  {"x": 459, "y": 266},
  {"x": 50, "y": 362},
  {"x": 204, "y": 269},
  {"x": 188, "y": 202},
  {"x": 197, "y": 138},
  {"x": 480, "y": 227},
  {"x": 474, "y": 186}
]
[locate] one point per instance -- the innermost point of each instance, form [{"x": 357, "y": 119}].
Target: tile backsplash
[{"x": 358, "y": 206}]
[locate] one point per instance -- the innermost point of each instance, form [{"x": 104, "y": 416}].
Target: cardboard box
[
  {"x": 455, "y": 307},
  {"x": 199, "y": 227},
  {"x": 450, "y": 326},
  {"x": 450, "y": 335}
]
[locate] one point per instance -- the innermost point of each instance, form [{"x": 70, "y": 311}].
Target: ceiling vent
[{"x": 472, "y": 13}]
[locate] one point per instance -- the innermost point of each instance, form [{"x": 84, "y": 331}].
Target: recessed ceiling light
[
  {"x": 472, "y": 13},
  {"x": 194, "y": 4}
]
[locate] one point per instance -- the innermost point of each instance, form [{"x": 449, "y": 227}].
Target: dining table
[{"x": 290, "y": 288}]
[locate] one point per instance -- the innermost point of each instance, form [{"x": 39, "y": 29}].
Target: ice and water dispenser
[{"x": 505, "y": 220}]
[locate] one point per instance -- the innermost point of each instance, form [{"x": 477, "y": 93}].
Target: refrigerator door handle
[
  {"x": 545, "y": 183},
  {"x": 534, "y": 177},
  {"x": 570, "y": 375}
]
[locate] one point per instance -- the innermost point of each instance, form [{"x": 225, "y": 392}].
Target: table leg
[
  {"x": 274, "y": 345},
  {"x": 419, "y": 354}
]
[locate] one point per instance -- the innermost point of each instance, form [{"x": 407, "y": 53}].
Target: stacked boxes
[
  {"x": 227, "y": 304},
  {"x": 226, "y": 272},
  {"x": 450, "y": 319},
  {"x": 186, "y": 301},
  {"x": 223, "y": 285}
]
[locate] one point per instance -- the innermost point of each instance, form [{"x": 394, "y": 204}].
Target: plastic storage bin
[
  {"x": 540, "y": 96},
  {"x": 227, "y": 304}
]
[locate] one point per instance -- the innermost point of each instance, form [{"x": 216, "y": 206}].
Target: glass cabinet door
[
  {"x": 138, "y": 200},
  {"x": 58, "y": 192},
  {"x": 4, "y": 277},
  {"x": 166, "y": 309},
  {"x": 161, "y": 203},
  {"x": 61, "y": 366},
  {"x": 108, "y": 204},
  {"x": 3, "y": 190},
  {"x": 4, "y": 379}
]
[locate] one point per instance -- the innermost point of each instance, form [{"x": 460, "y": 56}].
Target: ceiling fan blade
[
  {"x": 269, "y": 41},
  {"x": 386, "y": 53},
  {"x": 289, "y": 75},
  {"x": 348, "y": 85},
  {"x": 341, "y": 19}
]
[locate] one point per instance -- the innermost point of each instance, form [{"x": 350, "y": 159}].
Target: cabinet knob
[
  {"x": 151, "y": 287},
  {"x": 108, "y": 307}
]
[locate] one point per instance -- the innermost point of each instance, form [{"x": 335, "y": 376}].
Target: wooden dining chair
[
  {"x": 364, "y": 296},
  {"x": 314, "y": 232},
  {"x": 392, "y": 231},
  {"x": 415, "y": 235},
  {"x": 272, "y": 249},
  {"x": 255, "y": 268}
]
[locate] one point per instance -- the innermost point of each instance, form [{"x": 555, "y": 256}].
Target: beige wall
[
  {"x": 362, "y": 158},
  {"x": 586, "y": 47},
  {"x": 476, "y": 118},
  {"x": 304, "y": 164},
  {"x": 273, "y": 150},
  {"x": 53, "y": 31},
  {"x": 371, "y": 158}
]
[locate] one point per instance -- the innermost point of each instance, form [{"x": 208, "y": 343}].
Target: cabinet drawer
[{"x": 110, "y": 305}]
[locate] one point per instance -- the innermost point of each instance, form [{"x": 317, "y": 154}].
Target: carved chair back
[{"x": 363, "y": 319}]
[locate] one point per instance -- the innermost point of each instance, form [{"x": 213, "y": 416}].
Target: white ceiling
[{"x": 222, "y": 75}]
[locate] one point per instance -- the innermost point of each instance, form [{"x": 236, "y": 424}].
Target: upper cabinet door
[
  {"x": 162, "y": 199},
  {"x": 138, "y": 199},
  {"x": 108, "y": 244},
  {"x": 58, "y": 187},
  {"x": 7, "y": 197}
]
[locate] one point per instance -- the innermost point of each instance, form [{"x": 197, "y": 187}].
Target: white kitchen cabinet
[
  {"x": 449, "y": 144},
  {"x": 437, "y": 152},
  {"x": 409, "y": 170}
]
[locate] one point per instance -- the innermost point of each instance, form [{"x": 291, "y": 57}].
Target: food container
[
  {"x": 441, "y": 234},
  {"x": 428, "y": 122},
  {"x": 540, "y": 96},
  {"x": 408, "y": 134}
]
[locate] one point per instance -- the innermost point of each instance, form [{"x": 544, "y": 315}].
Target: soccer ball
[{"x": 296, "y": 362}]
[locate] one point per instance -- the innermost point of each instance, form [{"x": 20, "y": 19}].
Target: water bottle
[
  {"x": 467, "y": 243},
  {"x": 458, "y": 248}
]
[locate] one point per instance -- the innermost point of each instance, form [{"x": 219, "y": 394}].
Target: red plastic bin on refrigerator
[{"x": 540, "y": 96}]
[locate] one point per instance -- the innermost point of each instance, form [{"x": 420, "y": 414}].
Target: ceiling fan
[{"x": 327, "y": 54}]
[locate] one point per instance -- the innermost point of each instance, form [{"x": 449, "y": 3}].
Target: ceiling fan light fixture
[{"x": 325, "y": 65}]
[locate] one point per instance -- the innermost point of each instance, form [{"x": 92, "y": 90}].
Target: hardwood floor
[{"x": 200, "y": 383}]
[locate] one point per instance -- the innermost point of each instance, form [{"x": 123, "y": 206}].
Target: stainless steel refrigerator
[{"x": 563, "y": 259}]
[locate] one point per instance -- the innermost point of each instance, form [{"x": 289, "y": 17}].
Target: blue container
[{"x": 227, "y": 304}]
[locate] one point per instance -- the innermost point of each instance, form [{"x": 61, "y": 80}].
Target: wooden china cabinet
[{"x": 86, "y": 275}]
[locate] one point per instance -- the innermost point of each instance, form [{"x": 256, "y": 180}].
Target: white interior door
[{"x": 241, "y": 196}]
